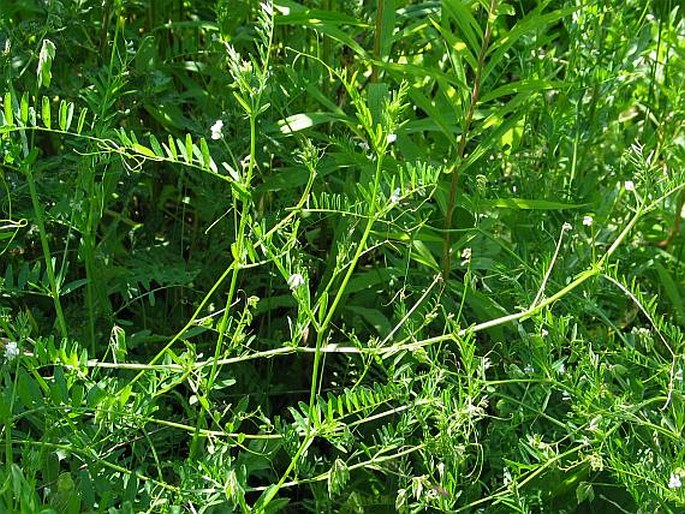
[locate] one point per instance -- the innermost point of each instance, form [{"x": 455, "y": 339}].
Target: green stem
[
  {"x": 321, "y": 334},
  {"x": 271, "y": 492},
  {"x": 47, "y": 254},
  {"x": 322, "y": 329},
  {"x": 377, "y": 39},
  {"x": 456, "y": 169},
  {"x": 239, "y": 251}
]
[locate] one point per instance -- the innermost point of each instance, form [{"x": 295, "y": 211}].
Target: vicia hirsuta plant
[{"x": 254, "y": 229}]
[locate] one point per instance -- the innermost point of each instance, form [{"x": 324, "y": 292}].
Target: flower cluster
[
  {"x": 675, "y": 481},
  {"x": 295, "y": 281},
  {"x": 216, "y": 130},
  {"x": 11, "y": 350}
]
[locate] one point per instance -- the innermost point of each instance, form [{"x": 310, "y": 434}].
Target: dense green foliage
[{"x": 342, "y": 256}]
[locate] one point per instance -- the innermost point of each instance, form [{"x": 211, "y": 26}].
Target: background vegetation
[{"x": 335, "y": 256}]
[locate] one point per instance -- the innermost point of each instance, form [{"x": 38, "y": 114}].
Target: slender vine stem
[{"x": 323, "y": 328}]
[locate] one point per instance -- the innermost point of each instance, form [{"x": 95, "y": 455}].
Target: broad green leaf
[
  {"x": 387, "y": 28},
  {"x": 45, "y": 112},
  {"x": 63, "y": 115},
  {"x": 24, "y": 108},
  {"x": 368, "y": 280},
  {"x": 459, "y": 50},
  {"x": 45, "y": 58},
  {"x": 74, "y": 285},
  {"x": 522, "y": 86},
  {"x": 154, "y": 143},
  {"x": 9, "y": 117},
  {"x": 171, "y": 149},
  {"x": 241, "y": 191},
  {"x": 123, "y": 137},
  {"x": 294, "y": 12},
  {"x": 246, "y": 107},
  {"x": 189, "y": 148},
  {"x": 70, "y": 115},
  {"x": 502, "y": 123},
  {"x": 206, "y": 158},
  {"x": 533, "y": 22},
  {"x": 197, "y": 153},
  {"x": 434, "y": 114},
  {"x": 460, "y": 13},
  {"x": 422, "y": 255},
  {"x": 182, "y": 150},
  {"x": 81, "y": 120},
  {"x": 377, "y": 96},
  {"x": 531, "y": 204},
  {"x": 22, "y": 279},
  {"x": 9, "y": 276},
  {"x": 305, "y": 120},
  {"x": 673, "y": 290},
  {"x": 325, "y": 22},
  {"x": 374, "y": 317},
  {"x": 143, "y": 150},
  {"x": 509, "y": 141},
  {"x": 168, "y": 114}
]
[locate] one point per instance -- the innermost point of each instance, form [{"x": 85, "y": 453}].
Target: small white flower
[
  {"x": 11, "y": 350},
  {"x": 544, "y": 332},
  {"x": 587, "y": 221},
  {"x": 295, "y": 281},
  {"x": 465, "y": 256},
  {"x": 529, "y": 368},
  {"x": 674, "y": 482},
  {"x": 566, "y": 227},
  {"x": 506, "y": 477},
  {"x": 594, "y": 424},
  {"x": 392, "y": 138},
  {"x": 629, "y": 185},
  {"x": 216, "y": 129},
  {"x": 395, "y": 196}
]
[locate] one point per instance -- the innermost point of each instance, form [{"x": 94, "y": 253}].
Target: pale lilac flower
[
  {"x": 295, "y": 281},
  {"x": 674, "y": 482},
  {"x": 216, "y": 129},
  {"x": 11, "y": 350},
  {"x": 392, "y": 138},
  {"x": 629, "y": 185}
]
